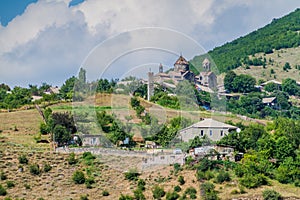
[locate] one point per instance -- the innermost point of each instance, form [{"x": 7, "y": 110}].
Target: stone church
[{"x": 180, "y": 72}]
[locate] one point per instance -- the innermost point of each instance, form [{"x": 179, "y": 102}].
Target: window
[
  {"x": 210, "y": 132},
  {"x": 221, "y": 133},
  {"x": 202, "y": 133}
]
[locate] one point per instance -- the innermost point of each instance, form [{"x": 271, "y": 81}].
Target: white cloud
[{"x": 50, "y": 40}]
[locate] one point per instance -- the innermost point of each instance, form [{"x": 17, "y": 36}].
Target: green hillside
[{"x": 280, "y": 33}]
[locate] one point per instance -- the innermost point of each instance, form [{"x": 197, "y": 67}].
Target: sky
[{"x": 49, "y": 40}]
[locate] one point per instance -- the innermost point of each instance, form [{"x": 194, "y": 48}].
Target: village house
[
  {"x": 270, "y": 101},
  {"x": 213, "y": 129},
  {"x": 91, "y": 140}
]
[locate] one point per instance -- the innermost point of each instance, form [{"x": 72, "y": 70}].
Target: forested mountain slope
[{"x": 280, "y": 33}]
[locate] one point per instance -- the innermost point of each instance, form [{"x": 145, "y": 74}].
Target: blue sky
[{"x": 49, "y": 40}]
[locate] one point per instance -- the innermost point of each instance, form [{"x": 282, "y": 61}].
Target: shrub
[
  {"x": 192, "y": 192},
  {"x": 23, "y": 159},
  {"x": 126, "y": 197},
  {"x": 177, "y": 188},
  {"x": 44, "y": 129},
  {"x": 207, "y": 191},
  {"x": 27, "y": 186},
  {"x": 88, "y": 156},
  {"x": 131, "y": 175},
  {"x": 72, "y": 160},
  {"x": 177, "y": 168},
  {"x": 204, "y": 175},
  {"x": 141, "y": 184},
  {"x": 222, "y": 177},
  {"x": 181, "y": 180},
  {"x": 84, "y": 197},
  {"x": 3, "y": 176},
  {"x": 88, "y": 182},
  {"x": 2, "y": 191},
  {"x": 172, "y": 196},
  {"x": 138, "y": 194},
  {"x": 47, "y": 167},
  {"x": 78, "y": 177},
  {"x": 10, "y": 184},
  {"x": 271, "y": 195},
  {"x": 40, "y": 198},
  {"x": 105, "y": 193},
  {"x": 34, "y": 169},
  {"x": 158, "y": 192},
  {"x": 253, "y": 181}
]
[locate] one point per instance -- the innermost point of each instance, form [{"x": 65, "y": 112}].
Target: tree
[
  {"x": 243, "y": 83},
  {"x": 284, "y": 148},
  {"x": 67, "y": 89},
  {"x": 290, "y": 86},
  {"x": 82, "y": 76},
  {"x": 61, "y": 135},
  {"x": 228, "y": 80},
  {"x": 271, "y": 87}
]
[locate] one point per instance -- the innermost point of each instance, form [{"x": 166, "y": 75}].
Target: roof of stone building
[
  {"x": 181, "y": 61},
  {"x": 268, "y": 100},
  {"x": 205, "y": 61},
  {"x": 210, "y": 123}
]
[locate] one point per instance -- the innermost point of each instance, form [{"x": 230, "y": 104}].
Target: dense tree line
[{"x": 267, "y": 155}]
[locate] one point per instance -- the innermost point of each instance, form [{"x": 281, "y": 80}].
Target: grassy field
[{"x": 279, "y": 57}]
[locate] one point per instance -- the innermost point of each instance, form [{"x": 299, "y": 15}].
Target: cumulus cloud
[{"x": 51, "y": 40}]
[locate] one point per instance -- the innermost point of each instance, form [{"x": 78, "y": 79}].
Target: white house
[{"x": 213, "y": 129}]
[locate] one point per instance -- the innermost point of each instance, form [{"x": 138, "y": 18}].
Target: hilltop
[{"x": 280, "y": 33}]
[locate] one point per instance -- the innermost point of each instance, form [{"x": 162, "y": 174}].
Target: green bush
[
  {"x": 181, "y": 180},
  {"x": 138, "y": 194},
  {"x": 27, "y": 186},
  {"x": 84, "y": 197},
  {"x": 71, "y": 159},
  {"x": 141, "y": 184},
  {"x": 172, "y": 196},
  {"x": 2, "y": 191},
  {"x": 204, "y": 175},
  {"x": 158, "y": 192},
  {"x": 34, "y": 169},
  {"x": 23, "y": 159},
  {"x": 271, "y": 195},
  {"x": 126, "y": 197},
  {"x": 10, "y": 184},
  {"x": 192, "y": 192},
  {"x": 253, "y": 181},
  {"x": 47, "y": 167},
  {"x": 88, "y": 156},
  {"x": 222, "y": 177},
  {"x": 89, "y": 181},
  {"x": 78, "y": 177},
  {"x": 105, "y": 193},
  {"x": 207, "y": 191},
  {"x": 177, "y": 188},
  {"x": 131, "y": 175},
  {"x": 3, "y": 176},
  {"x": 44, "y": 129}
]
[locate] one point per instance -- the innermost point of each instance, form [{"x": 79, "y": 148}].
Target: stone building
[{"x": 213, "y": 129}]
